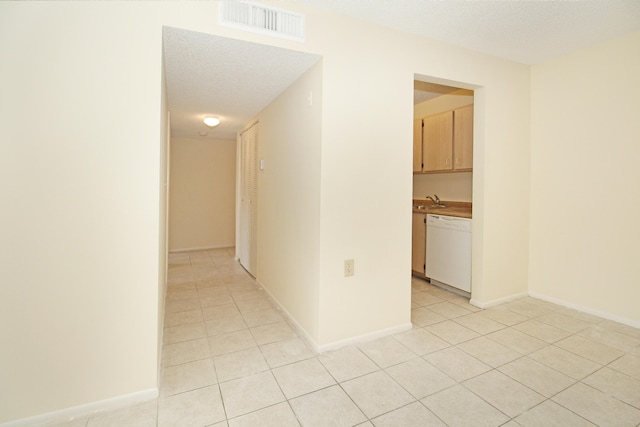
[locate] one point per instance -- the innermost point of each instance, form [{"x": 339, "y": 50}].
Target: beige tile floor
[{"x": 231, "y": 359}]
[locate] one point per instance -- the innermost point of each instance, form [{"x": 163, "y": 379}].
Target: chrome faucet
[{"x": 435, "y": 199}]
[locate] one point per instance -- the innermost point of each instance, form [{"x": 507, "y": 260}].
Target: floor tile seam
[
  {"x": 570, "y": 376},
  {"x": 165, "y": 327},
  {"x": 608, "y": 344},
  {"x": 478, "y": 332},
  {"x": 168, "y": 313},
  {"x": 243, "y": 376},
  {"x": 232, "y": 351},
  {"x": 550, "y": 399},
  {"x": 183, "y": 340},
  {"x": 335, "y": 384},
  {"x": 164, "y": 397},
  {"x": 509, "y": 417},
  {"x": 538, "y": 338},
  {"x": 182, "y": 363},
  {"x": 286, "y": 399},
  {"x": 186, "y": 363},
  {"x": 259, "y": 409},
  {"x": 224, "y": 406},
  {"x": 566, "y": 329},
  {"x": 370, "y": 419},
  {"x": 418, "y": 401},
  {"x": 621, "y": 330},
  {"x": 637, "y": 408},
  {"x": 495, "y": 342},
  {"x": 164, "y": 345},
  {"x": 593, "y": 342},
  {"x": 357, "y": 346},
  {"x": 606, "y": 392},
  {"x": 435, "y": 323},
  {"x": 351, "y": 398},
  {"x": 416, "y": 356},
  {"x": 509, "y": 325},
  {"x": 351, "y": 378},
  {"x": 571, "y": 333},
  {"x": 488, "y": 336},
  {"x": 449, "y": 376},
  {"x": 573, "y": 380},
  {"x": 262, "y": 324},
  {"x": 472, "y": 392},
  {"x": 423, "y": 397},
  {"x": 286, "y": 364},
  {"x": 169, "y": 299},
  {"x": 618, "y": 370},
  {"x": 429, "y": 409},
  {"x": 266, "y": 407}
]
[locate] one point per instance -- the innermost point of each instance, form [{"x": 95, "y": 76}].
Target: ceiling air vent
[{"x": 258, "y": 18}]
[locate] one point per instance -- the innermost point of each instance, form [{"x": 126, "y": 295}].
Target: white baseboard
[
  {"x": 487, "y": 304},
  {"x": 366, "y": 337},
  {"x": 604, "y": 315},
  {"x": 199, "y": 248},
  {"x": 304, "y": 335},
  {"x": 302, "y": 332},
  {"x": 86, "y": 409}
]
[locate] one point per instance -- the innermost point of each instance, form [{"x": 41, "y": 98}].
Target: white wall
[
  {"x": 202, "y": 195},
  {"x": 585, "y": 195}
]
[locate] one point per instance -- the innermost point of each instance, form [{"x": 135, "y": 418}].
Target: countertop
[{"x": 459, "y": 209}]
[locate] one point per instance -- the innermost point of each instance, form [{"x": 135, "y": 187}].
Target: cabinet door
[
  {"x": 463, "y": 138},
  {"x": 417, "y": 145},
  {"x": 418, "y": 243},
  {"x": 437, "y": 142}
]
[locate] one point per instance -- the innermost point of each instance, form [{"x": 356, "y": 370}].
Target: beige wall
[
  {"x": 80, "y": 160},
  {"x": 366, "y": 178},
  {"x": 585, "y": 193},
  {"x": 202, "y": 194},
  {"x": 448, "y": 186},
  {"x": 289, "y": 200}
]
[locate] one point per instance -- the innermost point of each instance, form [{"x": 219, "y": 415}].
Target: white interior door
[{"x": 248, "y": 199}]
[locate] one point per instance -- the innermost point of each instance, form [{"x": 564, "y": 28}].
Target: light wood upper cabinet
[
  {"x": 463, "y": 138},
  {"x": 437, "y": 142},
  {"x": 444, "y": 142},
  {"x": 417, "y": 145}
]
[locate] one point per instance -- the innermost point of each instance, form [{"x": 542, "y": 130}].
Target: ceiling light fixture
[{"x": 211, "y": 121}]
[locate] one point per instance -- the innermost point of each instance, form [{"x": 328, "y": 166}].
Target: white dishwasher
[{"x": 449, "y": 251}]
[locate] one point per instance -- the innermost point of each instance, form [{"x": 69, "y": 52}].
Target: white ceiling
[
  {"x": 235, "y": 80},
  {"x": 523, "y": 31},
  {"x": 230, "y": 79}
]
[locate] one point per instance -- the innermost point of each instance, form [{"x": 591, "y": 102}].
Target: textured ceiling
[
  {"x": 235, "y": 80},
  {"x": 231, "y": 79}
]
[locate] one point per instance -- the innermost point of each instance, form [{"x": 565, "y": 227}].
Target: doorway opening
[{"x": 442, "y": 180}]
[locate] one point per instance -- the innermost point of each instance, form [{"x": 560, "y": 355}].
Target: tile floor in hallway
[{"x": 230, "y": 358}]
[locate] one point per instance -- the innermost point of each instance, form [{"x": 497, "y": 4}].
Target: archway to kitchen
[{"x": 443, "y": 175}]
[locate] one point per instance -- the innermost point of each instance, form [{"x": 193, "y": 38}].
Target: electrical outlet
[{"x": 349, "y": 267}]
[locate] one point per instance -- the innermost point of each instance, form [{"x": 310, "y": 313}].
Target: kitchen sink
[{"x": 425, "y": 208}]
